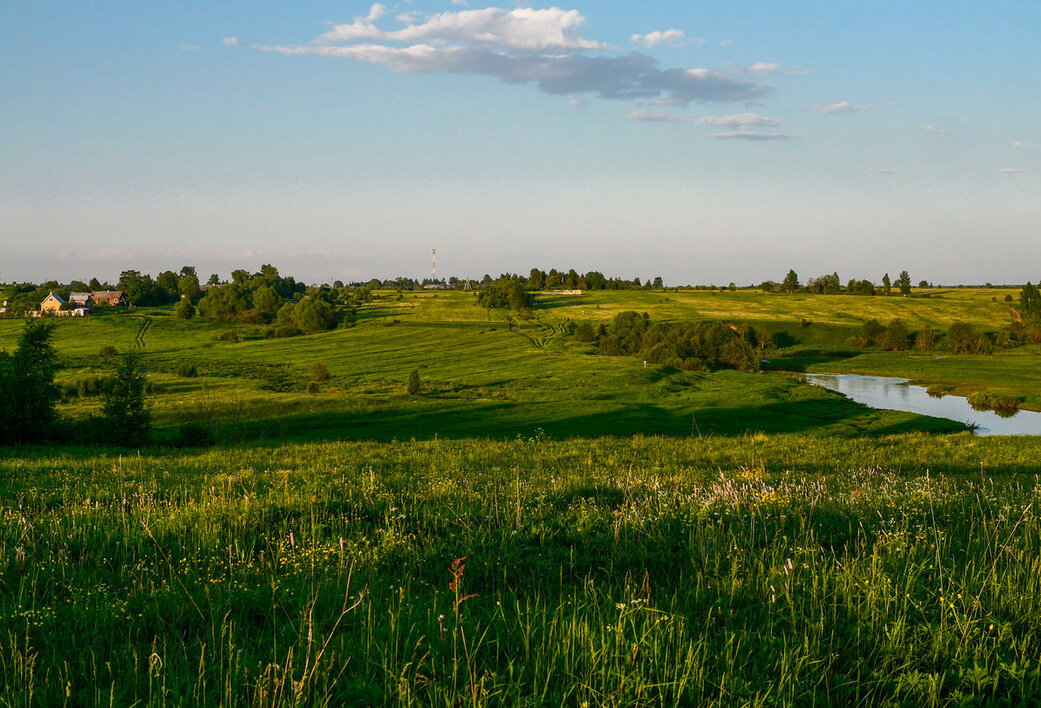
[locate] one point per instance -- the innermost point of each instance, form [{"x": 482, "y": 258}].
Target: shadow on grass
[{"x": 456, "y": 420}]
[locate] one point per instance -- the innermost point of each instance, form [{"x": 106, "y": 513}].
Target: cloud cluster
[
  {"x": 835, "y": 108},
  {"x": 935, "y": 129},
  {"x": 522, "y": 46},
  {"x": 739, "y": 124},
  {"x": 671, "y": 37}
]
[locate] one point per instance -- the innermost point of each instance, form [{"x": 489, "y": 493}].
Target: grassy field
[
  {"x": 542, "y": 526},
  {"x": 765, "y": 570},
  {"x": 487, "y": 374}
]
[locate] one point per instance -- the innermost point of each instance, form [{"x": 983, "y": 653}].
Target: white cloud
[
  {"x": 840, "y": 107},
  {"x": 520, "y": 46},
  {"x": 655, "y": 116},
  {"x": 1022, "y": 144},
  {"x": 882, "y": 170},
  {"x": 738, "y": 120},
  {"x": 727, "y": 43},
  {"x": 935, "y": 129},
  {"x": 762, "y": 68},
  {"x": 747, "y": 135},
  {"x": 1010, "y": 170},
  {"x": 520, "y": 28},
  {"x": 671, "y": 37}
]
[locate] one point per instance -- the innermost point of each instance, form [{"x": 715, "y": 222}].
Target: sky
[{"x": 704, "y": 142}]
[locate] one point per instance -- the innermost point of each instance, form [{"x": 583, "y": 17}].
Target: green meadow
[{"x": 541, "y": 525}]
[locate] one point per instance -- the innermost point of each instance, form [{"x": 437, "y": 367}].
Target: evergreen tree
[
  {"x": 413, "y": 383},
  {"x": 904, "y": 283},
  {"x": 887, "y": 284},
  {"x": 1030, "y": 301},
  {"x": 791, "y": 282},
  {"x": 27, "y": 386},
  {"x": 127, "y": 416}
]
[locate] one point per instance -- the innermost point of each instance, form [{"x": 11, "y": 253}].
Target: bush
[
  {"x": 999, "y": 403},
  {"x": 184, "y": 309},
  {"x": 282, "y": 330},
  {"x": 585, "y": 333},
  {"x": 27, "y": 387},
  {"x": 107, "y": 351},
  {"x": 127, "y": 417},
  {"x": 187, "y": 371},
  {"x": 782, "y": 339},
  {"x": 872, "y": 330},
  {"x": 195, "y": 435},
  {"x": 1008, "y": 298},
  {"x": 319, "y": 371},
  {"x": 253, "y": 317},
  {"x": 925, "y": 341},
  {"x": 228, "y": 336},
  {"x": 413, "y": 386},
  {"x": 896, "y": 336},
  {"x": 313, "y": 387}
]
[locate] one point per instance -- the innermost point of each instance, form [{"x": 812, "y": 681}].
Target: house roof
[
  {"x": 79, "y": 297},
  {"x": 56, "y": 297},
  {"x": 106, "y": 294}
]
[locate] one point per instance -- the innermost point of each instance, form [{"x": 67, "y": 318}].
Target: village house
[
  {"x": 108, "y": 297},
  {"x": 52, "y": 303},
  {"x": 81, "y": 301}
]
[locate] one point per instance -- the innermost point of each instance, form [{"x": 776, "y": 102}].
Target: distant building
[
  {"x": 81, "y": 301},
  {"x": 52, "y": 303},
  {"x": 108, "y": 297}
]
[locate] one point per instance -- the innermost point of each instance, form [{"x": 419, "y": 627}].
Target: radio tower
[{"x": 433, "y": 263}]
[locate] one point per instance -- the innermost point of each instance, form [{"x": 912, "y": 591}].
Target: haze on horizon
[{"x": 710, "y": 143}]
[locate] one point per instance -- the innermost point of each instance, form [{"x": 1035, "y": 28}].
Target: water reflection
[{"x": 893, "y": 393}]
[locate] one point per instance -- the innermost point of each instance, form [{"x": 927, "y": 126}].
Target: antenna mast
[{"x": 433, "y": 263}]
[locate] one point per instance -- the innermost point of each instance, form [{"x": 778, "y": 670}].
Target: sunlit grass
[{"x": 769, "y": 570}]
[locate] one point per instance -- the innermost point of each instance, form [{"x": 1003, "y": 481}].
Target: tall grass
[{"x": 769, "y": 571}]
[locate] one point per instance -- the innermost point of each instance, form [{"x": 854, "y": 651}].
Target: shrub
[
  {"x": 925, "y": 341},
  {"x": 27, "y": 386},
  {"x": 782, "y": 340},
  {"x": 872, "y": 330},
  {"x": 895, "y": 337},
  {"x": 313, "y": 387},
  {"x": 195, "y": 435},
  {"x": 413, "y": 386},
  {"x": 585, "y": 333},
  {"x": 126, "y": 412},
  {"x": 282, "y": 330},
  {"x": 253, "y": 317},
  {"x": 184, "y": 309},
  {"x": 1008, "y": 298},
  {"x": 228, "y": 336},
  {"x": 319, "y": 371},
  {"x": 107, "y": 351},
  {"x": 188, "y": 371}
]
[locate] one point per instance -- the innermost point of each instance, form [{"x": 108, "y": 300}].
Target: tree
[
  {"x": 887, "y": 284},
  {"x": 896, "y": 336},
  {"x": 184, "y": 309},
  {"x": 127, "y": 416},
  {"x": 27, "y": 386},
  {"x": 168, "y": 282},
  {"x": 214, "y": 279},
  {"x": 658, "y": 282},
  {"x": 413, "y": 383},
  {"x": 188, "y": 286},
  {"x": 926, "y": 340},
  {"x": 1030, "y": 301},
  {"x": 791, "y": 282},
  {"x": 904, "y": 283}
]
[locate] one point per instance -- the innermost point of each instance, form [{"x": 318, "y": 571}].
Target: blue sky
[{"x": 704, "y": 142}]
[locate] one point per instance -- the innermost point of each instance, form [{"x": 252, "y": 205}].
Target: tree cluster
[
  {"x": 831, "y": 285},
  {"x": 691, "y": 346}
]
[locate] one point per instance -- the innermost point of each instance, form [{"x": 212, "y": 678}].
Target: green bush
[
  {"x": 413, "y": 386},
  {"x": 320, "y": 372},
  {"x": 127, "y": 415},
  {"x": 195, "y": 435},
  {"x": 184, "y": 309},
  {"x": 585, "y": 333},
  {"x": 187, "y": 371},
  {"x": 107, "y": 351}
]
